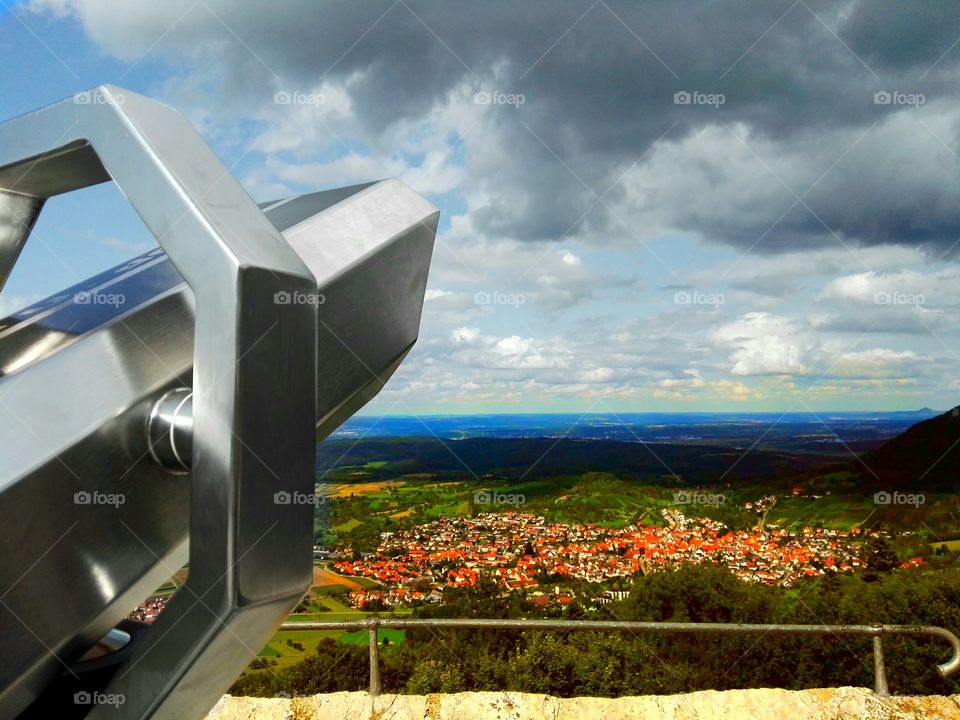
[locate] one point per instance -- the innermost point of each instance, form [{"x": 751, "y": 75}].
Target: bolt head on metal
[{"x": 170, "y": 429}]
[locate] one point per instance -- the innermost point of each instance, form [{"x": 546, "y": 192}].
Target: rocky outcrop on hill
[{"x": 826, "y": 704}]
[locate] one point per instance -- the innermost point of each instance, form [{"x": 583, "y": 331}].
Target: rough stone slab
[{"x": 826, "y": 704}]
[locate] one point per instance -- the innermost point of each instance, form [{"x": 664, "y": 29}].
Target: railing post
[
  {"x": 880, "y": 688},
  {"x": 374, "y": 658}
]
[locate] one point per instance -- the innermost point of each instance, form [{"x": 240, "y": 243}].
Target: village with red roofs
[
  {"x": 515, "y": 548},
  {"x": 526, "y": 551}
]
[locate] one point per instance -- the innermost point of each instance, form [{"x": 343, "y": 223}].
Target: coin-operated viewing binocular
[{"x": 179, "y": 422}]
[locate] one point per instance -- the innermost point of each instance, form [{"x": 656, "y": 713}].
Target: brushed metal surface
[
  {"x": 18, "y": 213},
  {"x": 279, "y": 337}
]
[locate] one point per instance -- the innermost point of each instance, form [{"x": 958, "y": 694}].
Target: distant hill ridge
[
  {"x": 925, "y": 457},
  {"x": 516, "y": 458}
]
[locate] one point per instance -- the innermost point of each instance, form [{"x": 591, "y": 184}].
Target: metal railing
[{"x": 874, "y": 631}]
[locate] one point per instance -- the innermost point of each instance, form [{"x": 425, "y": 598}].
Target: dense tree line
[{"x": 609, "y": 664}]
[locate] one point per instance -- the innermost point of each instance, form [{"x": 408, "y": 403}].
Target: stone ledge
[{"x": 829, "y": 704}]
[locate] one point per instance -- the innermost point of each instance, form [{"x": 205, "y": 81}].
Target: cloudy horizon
[{"x": 666, "y": 207}]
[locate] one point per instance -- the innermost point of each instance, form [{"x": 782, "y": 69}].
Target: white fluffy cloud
[
  {"x": 764, "y": 344},
  {"x": 876, "y": 362},
  {"x": 907, "y": 287}
]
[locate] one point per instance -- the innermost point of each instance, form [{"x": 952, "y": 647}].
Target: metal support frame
[
  {"x": 374, "y": 659},
  {"x": 270, "y": 325},
  {"x": 247, "y": 351},
  {"x": 875, "y": 631},
  {"x": 879, "y": 669}
]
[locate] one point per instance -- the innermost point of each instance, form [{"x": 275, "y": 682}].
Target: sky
[{"x": 659, "y": 206}]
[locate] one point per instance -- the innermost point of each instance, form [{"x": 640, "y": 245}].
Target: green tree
[
  {"x": 879, "y": 556},
  {"x": 433, "y": 676}
]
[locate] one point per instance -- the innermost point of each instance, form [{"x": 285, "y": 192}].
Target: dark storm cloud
[
  {"x": 599, "y": 81},
  {"x": 895, "y": 34},
  {"x": 604, "y": 74}
]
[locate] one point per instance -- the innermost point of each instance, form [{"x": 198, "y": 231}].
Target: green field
[
  {"x": 952, "y": 545},
  {"x": 330, "y": 590},
  {"x": 836, "y": 512},
  {"x": 365, "y": 582},
  {"x": 349, "y": 525},
  {"x": 936, "y": 516},
  {"x": 285, "y": 655},
  {"x": 362, "y": 637}
]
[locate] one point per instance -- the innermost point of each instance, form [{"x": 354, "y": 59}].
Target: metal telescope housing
[{"x": 180, "y": 424}]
